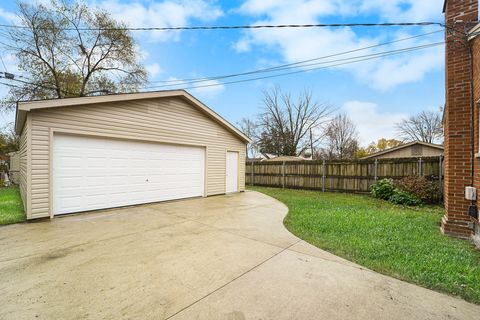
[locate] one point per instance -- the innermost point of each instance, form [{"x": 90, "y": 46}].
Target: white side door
[{"x": 232, "y": 172}]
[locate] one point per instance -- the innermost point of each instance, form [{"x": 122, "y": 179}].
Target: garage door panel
[
  {"x": 69, "y": 182},
  {"x": 96, "y": 173}
]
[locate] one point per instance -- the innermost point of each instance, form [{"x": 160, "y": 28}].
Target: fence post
[
  {"x": 420, "y": 174},
  {"x": 375, "y": 174},
  {"x": 251, "y": 174},
  {"x": 283, "y": 174},
  {"x": 323, "y": 175},
  {"x": 440, "y": 176}
]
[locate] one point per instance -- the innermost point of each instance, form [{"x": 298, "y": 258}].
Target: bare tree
[
  {"x": 341, "y": 138},
  {"x": 285, "y": 123},
  {"x": 250, "y": 129},
  {"x": 425, "y": 126},
  {"x": 68, "y": 49}
]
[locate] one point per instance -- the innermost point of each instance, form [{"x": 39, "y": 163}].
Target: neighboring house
[
  {"x": 271, "y": 157},
  {"x": 267, "y": 156},
  {"x": 88, "y": 153},
  {"x": 461, "y": 126},
  {"x": 407, "y": 150}
]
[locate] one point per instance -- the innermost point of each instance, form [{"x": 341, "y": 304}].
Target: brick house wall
[{"x": 458, "y": 116}]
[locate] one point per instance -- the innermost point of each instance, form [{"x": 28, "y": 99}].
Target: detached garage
[{"x": 89, "y": 153}]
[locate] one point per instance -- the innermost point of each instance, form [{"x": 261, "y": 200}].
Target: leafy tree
[
  {"x": 425, "y": 126},
  {"x": 341, "y": 138},
  {"x": 67, "y": 49},
  {"x": 384, "y": 144},
  {"x": 8, "y": 140},
  {"x": 380, "y": 145},
  {"x": 285, "y": 123},
  {"x": 362, "y": 152}
]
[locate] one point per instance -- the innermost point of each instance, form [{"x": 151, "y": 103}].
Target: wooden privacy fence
[{"x": 356, "y": 176}]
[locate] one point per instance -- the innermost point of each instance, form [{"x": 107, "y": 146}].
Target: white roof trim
[{"x": 25, "y": 106}]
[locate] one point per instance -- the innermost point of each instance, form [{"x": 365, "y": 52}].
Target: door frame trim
[{"x": 238, "y": 169}]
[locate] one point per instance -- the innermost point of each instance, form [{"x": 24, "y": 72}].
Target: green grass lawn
[
  {"x": 405, "y": 243},
  {"x": 11, "y": 207}
]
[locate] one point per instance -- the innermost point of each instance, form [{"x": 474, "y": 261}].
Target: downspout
[
  {"x": 472, "y": 107},
  {"x": 472, "y": 209}
]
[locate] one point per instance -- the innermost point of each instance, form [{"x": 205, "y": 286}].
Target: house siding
[
  {"x": 165, "y": 120},
  {"x": 423, "y": 151},
  {"x": 24, "y": 165}
]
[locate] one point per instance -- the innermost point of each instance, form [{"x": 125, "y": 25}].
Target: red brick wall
[{"x": 457, "y": 121}]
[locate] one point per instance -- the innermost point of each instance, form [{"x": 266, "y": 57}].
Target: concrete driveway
[{"x": 225, "y": 257}]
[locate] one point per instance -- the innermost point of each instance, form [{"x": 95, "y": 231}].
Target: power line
[
  {"x": 35, "y": 84},
  {"x": 277, "y": 75},
  {"x": 264, "y": 26},
  {"x": 295, "y": 65},
  {"x": 3, "y": 63},
  {"x": 343, "y": 62},
  {"x": 179, "y": 81},
  {"x": 288, "y": 73},
  {"x": 9, "y": 84}
]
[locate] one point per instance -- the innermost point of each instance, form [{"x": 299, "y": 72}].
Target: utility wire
[
  {"x": 37, "y": 85},
  {"x": 282, "y": 74},
  {"x": 343, "y": 60},
  {"x": 9, "y": 84},
  {"x": 179, "y": 81},
  {"x": 3, "y": 63},
  {"x": 264, "y": 26}
]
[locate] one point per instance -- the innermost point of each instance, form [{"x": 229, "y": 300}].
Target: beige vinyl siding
[
  {"x": 24, "y": 163},
  {"x": 412, "y": 151},
  {"x": 168, "y": 120}
]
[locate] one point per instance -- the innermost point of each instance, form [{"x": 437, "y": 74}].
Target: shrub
[
  {"x": 383, "y": 189},
  {"x": 424, "y": 189},
  {"x": 405, "y": 198}
]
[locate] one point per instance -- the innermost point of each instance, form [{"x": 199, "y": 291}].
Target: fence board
[{"x": 355, "y": 176}]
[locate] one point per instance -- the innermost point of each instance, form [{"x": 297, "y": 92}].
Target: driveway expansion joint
[{"x": 231, "y": 281}]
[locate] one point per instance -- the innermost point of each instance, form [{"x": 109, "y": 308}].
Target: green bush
[
  {"x": 386, "y": 189},
  {"x": 383, "y": 189},
  {"x": 423, "y": 188},
  {"x": 405, "y": 198}
]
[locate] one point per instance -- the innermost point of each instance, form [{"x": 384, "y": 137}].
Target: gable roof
[
  {"x": 406, "y": 145},
  {"x": 23, "y": 107}
]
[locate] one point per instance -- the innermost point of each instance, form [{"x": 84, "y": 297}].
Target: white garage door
[{"x": 96, "y": 173}]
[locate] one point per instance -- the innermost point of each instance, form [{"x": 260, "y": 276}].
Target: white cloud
[
  {"x": 371, "y": 123},
  {"x": 208, "y": 89},
  {"x": 166, "y": 13},
  {"x": 402, "y": 10},
  {"x": 9, "y": 16},
  {"x": 153, "y": 69},
  {"x": 306, "y": 43}
]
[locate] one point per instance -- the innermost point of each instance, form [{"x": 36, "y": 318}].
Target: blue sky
[{"x": 375, "y": 94}]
